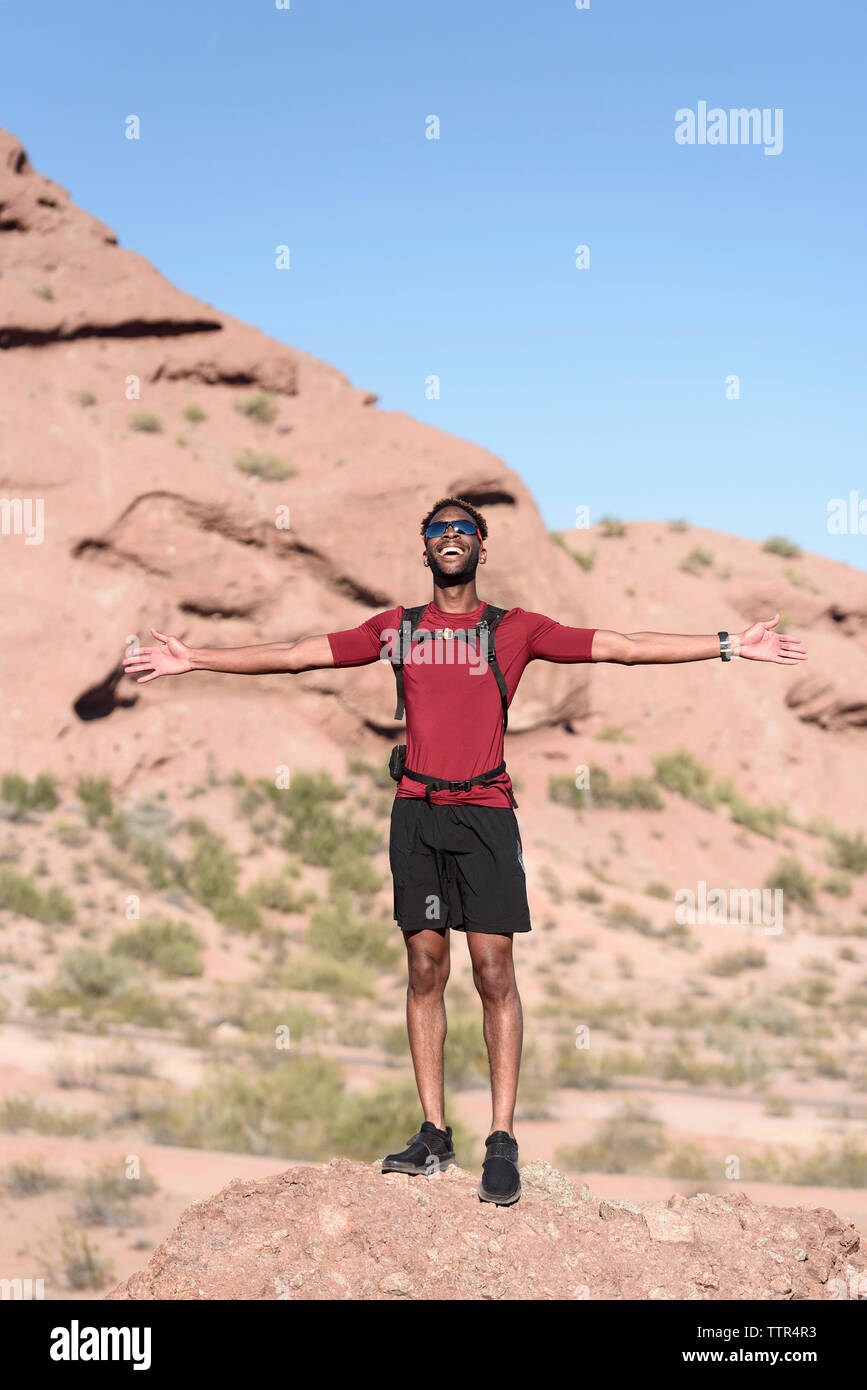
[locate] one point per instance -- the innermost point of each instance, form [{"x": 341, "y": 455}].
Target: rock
[{"x": 346, "y": 1231}]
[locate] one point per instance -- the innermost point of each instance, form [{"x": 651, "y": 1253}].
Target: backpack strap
[
  {"x": 408, "y": 624},
  {"x": 488, "y": 623},
  {"x": 486, "y": 628}
]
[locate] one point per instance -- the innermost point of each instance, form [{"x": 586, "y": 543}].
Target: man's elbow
[{"x": 615, "y": 647}]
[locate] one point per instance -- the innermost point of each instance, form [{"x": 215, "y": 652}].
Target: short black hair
[{"x": 456, "y": 502}]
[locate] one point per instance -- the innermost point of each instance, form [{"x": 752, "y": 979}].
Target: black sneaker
[
  {"x": 501, "y": 1182},
  {"x": 425, "y": 1153}
]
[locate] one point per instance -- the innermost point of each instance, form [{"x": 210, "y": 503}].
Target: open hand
[
  {"x": 759, "y": 643},
  {"x": 171, "y": 658}
]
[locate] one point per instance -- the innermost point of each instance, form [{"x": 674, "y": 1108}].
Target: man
[{"x": 455, "y": 847}]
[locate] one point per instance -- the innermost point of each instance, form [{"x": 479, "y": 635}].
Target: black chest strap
[{"x": 485, "y": 630}]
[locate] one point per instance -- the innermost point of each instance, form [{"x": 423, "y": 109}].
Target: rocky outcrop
[{"x": 348, "y": 1232}]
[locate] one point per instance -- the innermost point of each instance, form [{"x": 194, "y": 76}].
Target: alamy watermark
[{"x": 737, "y": 126}]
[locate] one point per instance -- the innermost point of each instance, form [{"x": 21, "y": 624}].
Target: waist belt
[{"x": 442, "y": 784}]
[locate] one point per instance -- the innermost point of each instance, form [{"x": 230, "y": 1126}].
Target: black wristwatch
[{"x": 725, "y": 646}]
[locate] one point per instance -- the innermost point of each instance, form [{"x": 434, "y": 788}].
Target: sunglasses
[{"x": 461, "y": 527}]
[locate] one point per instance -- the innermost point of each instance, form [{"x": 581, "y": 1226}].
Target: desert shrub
[
  {"x": 777, "y": 1106},
  {"x": 29, "y": 1178},
  {"x": 322, "y": 974},
  {"x": 212, "y": 879},
  {"x": 275, "y": 893},
  {"x": 261, "y": 407},
  {"x": 103, "y": 987},
  {"x": 761, "y": 819},
  {"x": 194, "y": 414},
  {"x": 625, "y": 915},
  {"x": 612, "y": 526},
  {"x": 85, "y": 398},
  {"x": 813, "y": 990},
  {"x": 848, "y": 852},
  {"x": 625, "y": 1142},
  {"x": 681, "y": 772},
  {"x": 638, "y": 793},
  {"x": 337, "y": 932},
  {"x": 842, "y": 1166},
  {"x": 592, "y": 1069},
  {"x": 655, "y": 889},
  {"x": 40, "y": 795},
  {"x": 145, "y": 422},
  {"x": 20, "y": 894},
  {"x": 173, "y": 947},
  {"x": 43, "y": 291},
  {"x": 23, "y": 1112},
  {"x": 105, "y": 1198},
  {"x": 267, "y": 466},
  {"x": 696, "y": 561},
  {"x": 585, "y": 558},
  {"x": 734, "y": 962},
  {"x": 789, "y": 875},
  {"x": 82, "y": 1263},
  {"x": 286, "y": 1105},
  {"x": 839, "y": 883},
  {"x": 689, "y": 1161},
  {"x": 612, "y": 733},
  {"x": 781, "y": 545},
  {"x": 588, "y": 894},
  {"x": 95, "y": 795}
]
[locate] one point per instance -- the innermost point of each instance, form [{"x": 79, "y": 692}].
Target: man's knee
[
  {"x": 427, "y": 975},
  {"x": 495, "y": 980}
]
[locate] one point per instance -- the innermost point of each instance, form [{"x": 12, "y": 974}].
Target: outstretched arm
[
  {"x": 757, "y": 643},
  {"x": 173, "y": 657}
]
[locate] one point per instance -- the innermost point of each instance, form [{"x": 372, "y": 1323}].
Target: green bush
[
  {"x": 681, "y": 772},
  {"x": 696, "y": 561},
  {"x": 145, "y": 422},
  {"x": 103, "y": 987},
  {"x": 336, "y": 932},
  {"x": 85, "y": 398},
  {"x": 638, "y": 793},
  {"x": 266, "y": 466},
  {"x": 29, "y": 1178},
  {"x": 780, "y": 545},
  {"x": 82, "y": 1263},
  {"x": 322, "y": 974},
  {"x": 212, "y": 877},
  {"x": 789, "y": 874},
  {"x": 105, "y": 1198},
  {"x": 626, "y": 1142},
  {"x": 20, "y": 894},
  {"x": 734, "y": 962},
  {"x": 95, "y": 794},
  {"x": 19, "y": 1112},
  {"x": 261, "y": 407},
  {"x": 762, "y": 820},
  {"x": 848, "y": 852},
  {"x": 41, "y": 795},
  {"x": 612, "y": 526},
  {"x": 173, "y": 947},
  {"x": 688, "y": 1161},
  {"x": 194, "y": 414}
]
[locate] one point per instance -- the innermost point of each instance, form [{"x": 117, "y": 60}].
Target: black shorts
[{"x": 457, "y": 866}]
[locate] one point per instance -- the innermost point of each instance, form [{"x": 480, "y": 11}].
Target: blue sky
[{"x": 410, "y": 257}]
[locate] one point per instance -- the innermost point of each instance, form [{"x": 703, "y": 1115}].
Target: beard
[{"x": 464, "y": 573}]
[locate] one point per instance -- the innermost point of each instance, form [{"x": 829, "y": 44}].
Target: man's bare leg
[
  {"x": 494, "y": 976},
  {"x": 429, "y": 963}
]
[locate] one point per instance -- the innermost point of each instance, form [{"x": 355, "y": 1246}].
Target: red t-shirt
[{"x": 454, "y": 715}]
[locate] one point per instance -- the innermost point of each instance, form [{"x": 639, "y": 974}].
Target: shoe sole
[
  {"x": 423, "y": 1171},
  {"x": 500, "y": 1201}
]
